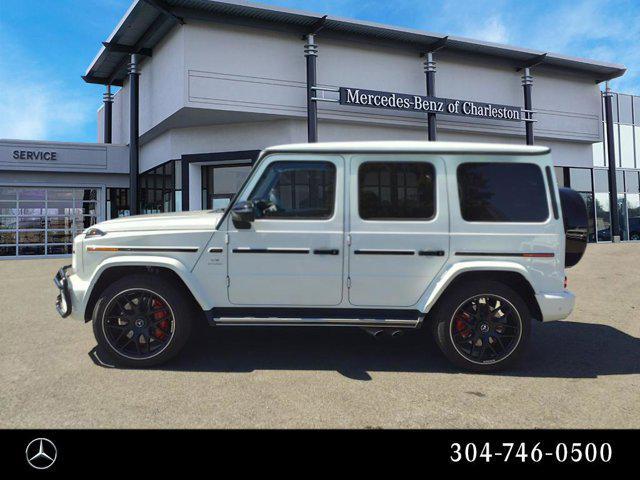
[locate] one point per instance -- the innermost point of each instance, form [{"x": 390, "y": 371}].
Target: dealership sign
[
  {"x": 47, "y": 156},
  {"x": 359, "y": 97}
]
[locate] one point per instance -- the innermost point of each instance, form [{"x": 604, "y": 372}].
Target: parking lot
[{"x": 583, "y": 372}]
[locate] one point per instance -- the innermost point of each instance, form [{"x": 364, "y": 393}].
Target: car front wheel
[
  {"x": 142, "y": 320},
  {"x": 482, "y": 326}
]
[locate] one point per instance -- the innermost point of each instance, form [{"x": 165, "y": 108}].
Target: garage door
[{"x": 43, "y": 221}]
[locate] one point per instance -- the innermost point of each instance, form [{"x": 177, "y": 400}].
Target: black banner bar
[
  {"x": 359, "y": 97},
  {"x": 128, "y": 452}
]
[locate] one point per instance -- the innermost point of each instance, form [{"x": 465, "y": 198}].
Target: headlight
[{"x": 93, "y": 232}]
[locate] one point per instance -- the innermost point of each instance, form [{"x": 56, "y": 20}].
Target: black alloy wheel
[
  {"x": 138, "y": 323},
  {"x": 143, "y": 320},
  {"x": 482, "y": 325},
  {"x": 486, "y": 329}
]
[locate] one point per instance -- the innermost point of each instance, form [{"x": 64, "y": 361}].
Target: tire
[
  {"x": 147, "y": 312},
  {"x": 486, "y": 340}
]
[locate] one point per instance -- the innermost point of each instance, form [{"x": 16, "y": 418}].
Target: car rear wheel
[
  {"x": 142, "y": 320},
  {"x": 482, "y": 326}
]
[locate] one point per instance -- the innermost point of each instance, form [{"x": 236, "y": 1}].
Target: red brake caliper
[
  {"x": 162, "y": 316},
  {"x": 462, "y": 321}
]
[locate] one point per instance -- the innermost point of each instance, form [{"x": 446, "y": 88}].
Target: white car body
[{"x": 290, "y": 272}]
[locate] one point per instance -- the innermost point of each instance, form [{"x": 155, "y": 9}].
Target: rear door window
[
  {"x": 502, "y": 192},
  {"x": 396, "y": 191}
]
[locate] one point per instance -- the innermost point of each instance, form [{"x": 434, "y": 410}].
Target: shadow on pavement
[{"x": 558, "y": 349}]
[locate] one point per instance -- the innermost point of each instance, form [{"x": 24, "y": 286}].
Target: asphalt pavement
[{"x": 583, "y": 372}]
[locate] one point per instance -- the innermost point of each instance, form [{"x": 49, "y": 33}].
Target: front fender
[
  {"x": 440, "y": 284},
  {"x": 149, "y": 261}
]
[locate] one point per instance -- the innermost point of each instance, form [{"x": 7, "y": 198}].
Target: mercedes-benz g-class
[{"x": 469, "y": 240}]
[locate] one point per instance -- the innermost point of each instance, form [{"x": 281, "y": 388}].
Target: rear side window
[
  {"x": 502, "y": 192},
  {"x": 396, "y": 191}
]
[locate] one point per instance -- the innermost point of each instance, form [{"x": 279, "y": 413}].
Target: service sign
[{"x": 359, "y": 97}]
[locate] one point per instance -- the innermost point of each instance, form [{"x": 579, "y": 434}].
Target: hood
[{"x": 199, "y": 220}]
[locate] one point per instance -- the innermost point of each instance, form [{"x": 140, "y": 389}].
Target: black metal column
[
  {"x": 311, "y": 52},
  {"x": 184, "y": 166},
  {"x": 108, "y": 116},
  {"x": 430, "y": 72},
  {"x": 527, "y": 86},
  {"x": 611, "y": 155},
  {"x": 134, "y": 147}
]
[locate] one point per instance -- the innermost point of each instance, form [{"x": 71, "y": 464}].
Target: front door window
[{"x": 296, "y": 190}]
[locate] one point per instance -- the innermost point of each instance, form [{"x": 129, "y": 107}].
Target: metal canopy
[{"x": 148, "y": 21}]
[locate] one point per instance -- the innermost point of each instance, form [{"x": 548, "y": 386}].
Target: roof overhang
[{"x": 146, "y": 22}]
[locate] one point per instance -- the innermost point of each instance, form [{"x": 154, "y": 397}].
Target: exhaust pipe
[
  {"x": 376, "y": 333},
  {"x": 397, "y": 334}
]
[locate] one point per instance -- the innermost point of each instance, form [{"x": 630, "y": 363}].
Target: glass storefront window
[
  {"x": 622, "y": 216},
  {"x": 43, "y": 221},
  {"x": 616, "y": 139},
  {"x": 598, "y": 154},
  {"x": 178, "y": 174},
  {"x": 626, "y": 147},
  {"x": 601, "y": 180},
  {"x": 220, "y": 183},
  {"x": 633, "y": 209},
  {"x": 603, "y": 217},
  {"x": 632, "y": 182},
  {"x": 580, "y": 179},
  {"x": 625, "y": 114},
  {"x": 588, "y": 200},
  {"x": 117, "y": 203},
  {"x": 619, "y": 181},
  {"x": 158, "y": 189}
]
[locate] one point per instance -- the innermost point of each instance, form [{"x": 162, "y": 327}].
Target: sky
[{"x": 47, "y": 45}]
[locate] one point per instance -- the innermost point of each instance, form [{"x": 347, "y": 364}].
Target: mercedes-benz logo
[{"x": 41, "y": 453}]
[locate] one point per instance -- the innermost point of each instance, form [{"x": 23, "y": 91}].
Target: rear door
[{"x": 398, "y": 228}]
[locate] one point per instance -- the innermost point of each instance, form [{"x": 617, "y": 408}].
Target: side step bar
[
  {"x": 326, "y": 317},
  {"x": 304, "y": 322}
]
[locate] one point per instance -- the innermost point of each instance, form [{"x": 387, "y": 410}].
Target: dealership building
[{"x": 194, "y": 89}]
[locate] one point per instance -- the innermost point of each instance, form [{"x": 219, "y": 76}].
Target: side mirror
[{"x": 243, "y": 214}]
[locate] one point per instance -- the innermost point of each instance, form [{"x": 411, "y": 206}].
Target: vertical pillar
[
  {"x": 611, "y": 155},
  {"x": 108, "y": 115},
  {"x": 184, "y": 166},
  {"x": 430, "y": 72},
  {"x": 311, "y": 53},
  {"x": 527, "y": 86},
  {"x": 134, "y": 114}
]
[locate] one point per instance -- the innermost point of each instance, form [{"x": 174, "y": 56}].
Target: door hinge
[
  {"x": 349, "y": 239},
  {"x": 228, "y": 281},
  {"x": 348, "y": 282},
  {"x": 226, "y": 238}
]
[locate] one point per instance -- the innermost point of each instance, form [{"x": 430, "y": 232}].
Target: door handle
[
  {"x": 326, "y": 251},
  {"x": 431, "y": 253}
]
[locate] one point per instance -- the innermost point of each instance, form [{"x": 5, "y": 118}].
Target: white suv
[{"x": 466, "y": 239}]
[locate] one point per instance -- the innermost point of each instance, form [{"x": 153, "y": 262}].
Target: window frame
[
  {"x": 399, "y": 219},
  {"x": 271, "y": 164},
  {"x": 547, "y": 194}
]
